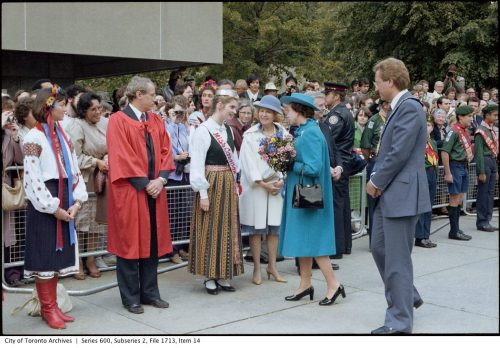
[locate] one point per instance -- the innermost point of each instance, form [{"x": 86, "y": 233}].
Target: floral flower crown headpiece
[
  {"x": 51, "y": 101},
  {"x": 209, "y": 84}
]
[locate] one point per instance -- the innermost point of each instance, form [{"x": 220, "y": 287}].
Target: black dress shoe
[
  {"x": 486, "y": 228},
  {"x": 135, "y": 308},
  {"x": 211, "y": 291},
  {"x": 309, "y": 291},
  {"x": 348, "y": 251},
  {"x": 433, "y": 245},
  {"x": 384, "y": 330},
  {"x": 225, "y": 287},
  {"x": 335, "y": 267},
  {"x": 336, "y": 257},
  {"x": 159, "y": 303},
  {"x": 422, "y": 243},
  {"x": 461, "y": 233},
  {"x": 329, "y": 301},
  {"x": 418, "y": 303},
  {"x": 458, "y": 236}
]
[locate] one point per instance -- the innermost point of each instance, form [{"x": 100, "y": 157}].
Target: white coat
[{"x": 258, "y": 207}]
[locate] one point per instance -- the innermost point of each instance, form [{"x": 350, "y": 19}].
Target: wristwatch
[{"x": 163, "y": 180}]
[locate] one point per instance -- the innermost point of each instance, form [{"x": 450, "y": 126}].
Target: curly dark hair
[
  {"x": 22, "y": 110},
  {"x": 85, "y": 103}
]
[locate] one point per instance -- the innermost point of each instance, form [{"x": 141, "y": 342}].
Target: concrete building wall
[{"x": 72, "y": 40}]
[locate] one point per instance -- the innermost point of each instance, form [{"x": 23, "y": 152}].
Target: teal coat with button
[{"x": 308, "y": 232}]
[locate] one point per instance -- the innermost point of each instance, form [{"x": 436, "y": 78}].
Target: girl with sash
[
  {"x": 457, "y": 153},
  {"x": 486, "y": 146},
  {"x": 423, "y": 227},
  {"x": 215, "y": 240},
  {"x": 56, "y": 190}
]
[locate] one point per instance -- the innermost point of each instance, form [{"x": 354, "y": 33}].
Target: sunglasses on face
[{"x": 179, "y": 112}]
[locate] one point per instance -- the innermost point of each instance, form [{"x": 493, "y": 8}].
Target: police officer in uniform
[
  {"x": 486, "y": 157},
  {"x": 341, "y": 127},
  {"x": 370, "y": 142}
]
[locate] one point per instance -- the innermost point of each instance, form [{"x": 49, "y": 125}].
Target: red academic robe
[{"x": 128, "y": 213}]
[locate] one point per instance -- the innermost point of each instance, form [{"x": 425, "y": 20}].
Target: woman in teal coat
[{"x": 308, "y": 233}]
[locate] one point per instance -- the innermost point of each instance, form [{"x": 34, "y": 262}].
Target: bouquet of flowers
[{"x": 278, "y": 151}]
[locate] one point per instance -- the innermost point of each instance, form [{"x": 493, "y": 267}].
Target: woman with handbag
[
  {"x": 308, "y": 182},
  {"x": 55, "y": 190},
  {"x": 88, "y": 134},
  {"x": 260, "y": 203},
  {"x": 215, "y": 248}
]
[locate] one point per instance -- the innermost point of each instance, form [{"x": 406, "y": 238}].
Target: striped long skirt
[{"x": 215, "y": 248}]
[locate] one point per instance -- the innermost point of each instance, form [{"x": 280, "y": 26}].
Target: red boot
[
  {"x": 48, "y": 305},
  {"x": 64, "y": 317}
]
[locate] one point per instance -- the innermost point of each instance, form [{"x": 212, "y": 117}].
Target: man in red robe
[{"x": 140, "y": 160}]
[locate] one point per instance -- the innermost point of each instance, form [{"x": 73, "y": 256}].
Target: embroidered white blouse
[
  {"x": 40, "y": 166},
  {"x": 198, "y": 151}
]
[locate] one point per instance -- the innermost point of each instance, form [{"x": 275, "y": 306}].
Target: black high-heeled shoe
[
  {"x": 329, "y": 301},
  {"x": 309, "y": 291}
]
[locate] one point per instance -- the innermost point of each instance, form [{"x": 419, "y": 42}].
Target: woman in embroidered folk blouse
[
  {"x": 55, "y": 190},
  {"x": 215, "y": 239},
  {"x": 88, "y": 134}
]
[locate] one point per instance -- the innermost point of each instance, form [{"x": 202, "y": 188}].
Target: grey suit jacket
[{"x": 400, "y": 167}]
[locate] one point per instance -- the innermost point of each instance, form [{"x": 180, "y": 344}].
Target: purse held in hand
[{"x": 309, "y": 196}]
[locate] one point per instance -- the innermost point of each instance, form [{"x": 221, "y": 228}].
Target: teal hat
[
  {"x": 300, "y": 98},
  {"x": 464, "y": 110},
  {"x": 490, "y": 108}
]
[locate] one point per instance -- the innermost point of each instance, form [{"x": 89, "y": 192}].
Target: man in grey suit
[{"x": 399, "y": 184}]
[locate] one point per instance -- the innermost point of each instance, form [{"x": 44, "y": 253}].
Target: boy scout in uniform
[
  {"x": 423, "y": 228},
  {"x": 486, "y": 146},
  {"x": 369, "y": 147},
  {"x": 456, "y": 154}
]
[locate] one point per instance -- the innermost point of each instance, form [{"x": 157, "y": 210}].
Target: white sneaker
[{"x": 100, "y": 263}]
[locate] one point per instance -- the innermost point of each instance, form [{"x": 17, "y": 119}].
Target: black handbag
[{"x": 309, "y": 196}]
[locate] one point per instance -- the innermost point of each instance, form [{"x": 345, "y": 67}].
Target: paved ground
[{"x": 458, "y": 281}]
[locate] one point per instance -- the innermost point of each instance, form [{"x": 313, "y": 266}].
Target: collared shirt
[
  {"x": 179, "y": 134},
  {"x": 198, "y": 151},
  {"x": 253, "y": 97},
  {"x": 398, "y": 96},
  {"x": 136, "y": 111}
]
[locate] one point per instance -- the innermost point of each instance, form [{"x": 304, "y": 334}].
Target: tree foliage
[{"x": 344, "y": 40}]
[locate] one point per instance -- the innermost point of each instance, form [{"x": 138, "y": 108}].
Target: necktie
[{"x": 143, "y": 117}]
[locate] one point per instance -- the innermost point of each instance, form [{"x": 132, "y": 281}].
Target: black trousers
[
  {"x": 342, "y": 214},
  {"x": 138, "y": 278},
  {"x": 486, "y": 193}
]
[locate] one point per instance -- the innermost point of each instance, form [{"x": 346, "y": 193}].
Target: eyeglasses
[{"x": 179, "y": 112}]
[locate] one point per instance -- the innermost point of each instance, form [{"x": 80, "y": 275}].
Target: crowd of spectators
[{"x": 183, "y": 105}]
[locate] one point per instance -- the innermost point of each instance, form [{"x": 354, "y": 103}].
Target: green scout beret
[
  {"x": 490, "y": 108},
  {"x": 464, "y": 110}
]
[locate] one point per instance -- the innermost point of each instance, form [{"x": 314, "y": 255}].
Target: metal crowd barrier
[{"x": 180, "y": 199}]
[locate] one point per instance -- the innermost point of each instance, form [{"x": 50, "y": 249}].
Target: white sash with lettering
[{"x": 229, "y": 156}]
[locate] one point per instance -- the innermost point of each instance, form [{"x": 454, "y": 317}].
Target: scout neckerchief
[
  {"x": 229, "y": 156},
  {"x": 492, "y": 143},
  {"x": 430, "y": 154},
  {"x": 463, "y": 135}
]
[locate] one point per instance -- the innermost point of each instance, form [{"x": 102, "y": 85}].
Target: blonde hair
[
  {"x": 224, "y": 99},
  {"x": 277, "y": 117},
  {"x": 395, "y": 70}
]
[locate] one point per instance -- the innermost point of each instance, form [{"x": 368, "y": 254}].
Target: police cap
[{"x": 334, "y": 86}]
